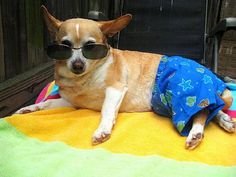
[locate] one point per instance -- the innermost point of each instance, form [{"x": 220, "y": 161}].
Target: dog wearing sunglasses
[{"x": 92, "y": 75}]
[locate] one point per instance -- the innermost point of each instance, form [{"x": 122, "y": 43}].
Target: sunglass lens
[
  {"x": 59, "y": 52},
  {"x": 95, "y": 51}
]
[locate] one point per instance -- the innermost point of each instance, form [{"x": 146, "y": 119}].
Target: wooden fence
[{"x": 24, "y": 66}]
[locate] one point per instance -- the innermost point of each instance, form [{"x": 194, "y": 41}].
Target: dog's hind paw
[
  {"x": 225, "y": 121},
  {"x": 194, "y": 138}
]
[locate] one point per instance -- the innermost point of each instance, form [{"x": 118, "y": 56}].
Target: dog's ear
[
  {"x": 110, "y": 28},
  {"x": 52, "y": 23}
]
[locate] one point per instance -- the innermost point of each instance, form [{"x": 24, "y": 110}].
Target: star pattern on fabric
[
  {"x": 207, "y": 79},
  {"x": 186, "y": 84}
]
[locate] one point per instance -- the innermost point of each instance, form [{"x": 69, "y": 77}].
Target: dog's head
[{"x": 82, "y": 33}]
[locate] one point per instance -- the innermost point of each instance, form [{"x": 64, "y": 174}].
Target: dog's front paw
[
  {"x": 194, "y": 138},
  {"x": 28, "y": 109},
  {"x": 101, "y": 135}
]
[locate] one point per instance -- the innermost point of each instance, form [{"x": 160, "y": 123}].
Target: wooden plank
[
  {"x": 63, "y": 10},
  {"x": 78, "y": 11},
  {"x": 23, "y": 49},
  {"x": 2, "y": 63},
  {"x": 34, "y": 29},
  {"x": 21, "y": 99},
  {"x": 23, "y": 80},
  {"x": 10, "y": 37},
  {"x": 24, "y": 88}
]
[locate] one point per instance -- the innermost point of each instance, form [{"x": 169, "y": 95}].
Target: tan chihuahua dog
[{"x": 119, "y": 81}]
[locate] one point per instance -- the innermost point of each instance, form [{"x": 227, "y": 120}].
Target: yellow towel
[{"x": 139, "y": 134}]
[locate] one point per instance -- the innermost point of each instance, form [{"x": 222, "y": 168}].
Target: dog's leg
[
  {"x": 49, "y": 104},
  {"x": 110, "y": 108},
  {"x": 196, "y": 133},
  {"x": 225, "y": 121},
  {"x": 227, "y": 98}
]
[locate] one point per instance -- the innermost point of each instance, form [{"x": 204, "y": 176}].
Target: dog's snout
[{"x": 78, "y": 67}]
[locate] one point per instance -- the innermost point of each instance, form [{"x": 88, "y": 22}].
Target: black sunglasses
[{"x": 92, "y": 51}]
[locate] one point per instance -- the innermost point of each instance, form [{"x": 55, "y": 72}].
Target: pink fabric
[
  {"x": 42, "y": 94},
  {"x": 51, "y": 91},
  {"x": 231, "y": 113}
]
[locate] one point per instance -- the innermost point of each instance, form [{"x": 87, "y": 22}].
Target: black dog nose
[{"x": 78, "y": 67}]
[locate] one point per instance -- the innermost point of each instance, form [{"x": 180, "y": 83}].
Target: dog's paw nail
[
  {"x": 95, "y": 142},
  {"x": 187, "y": 145}
]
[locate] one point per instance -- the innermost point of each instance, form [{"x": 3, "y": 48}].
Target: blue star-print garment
[{"x": 182, "y": 88}]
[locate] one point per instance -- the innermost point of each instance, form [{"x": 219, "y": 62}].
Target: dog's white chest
[{"x": 100, "y": 74}]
